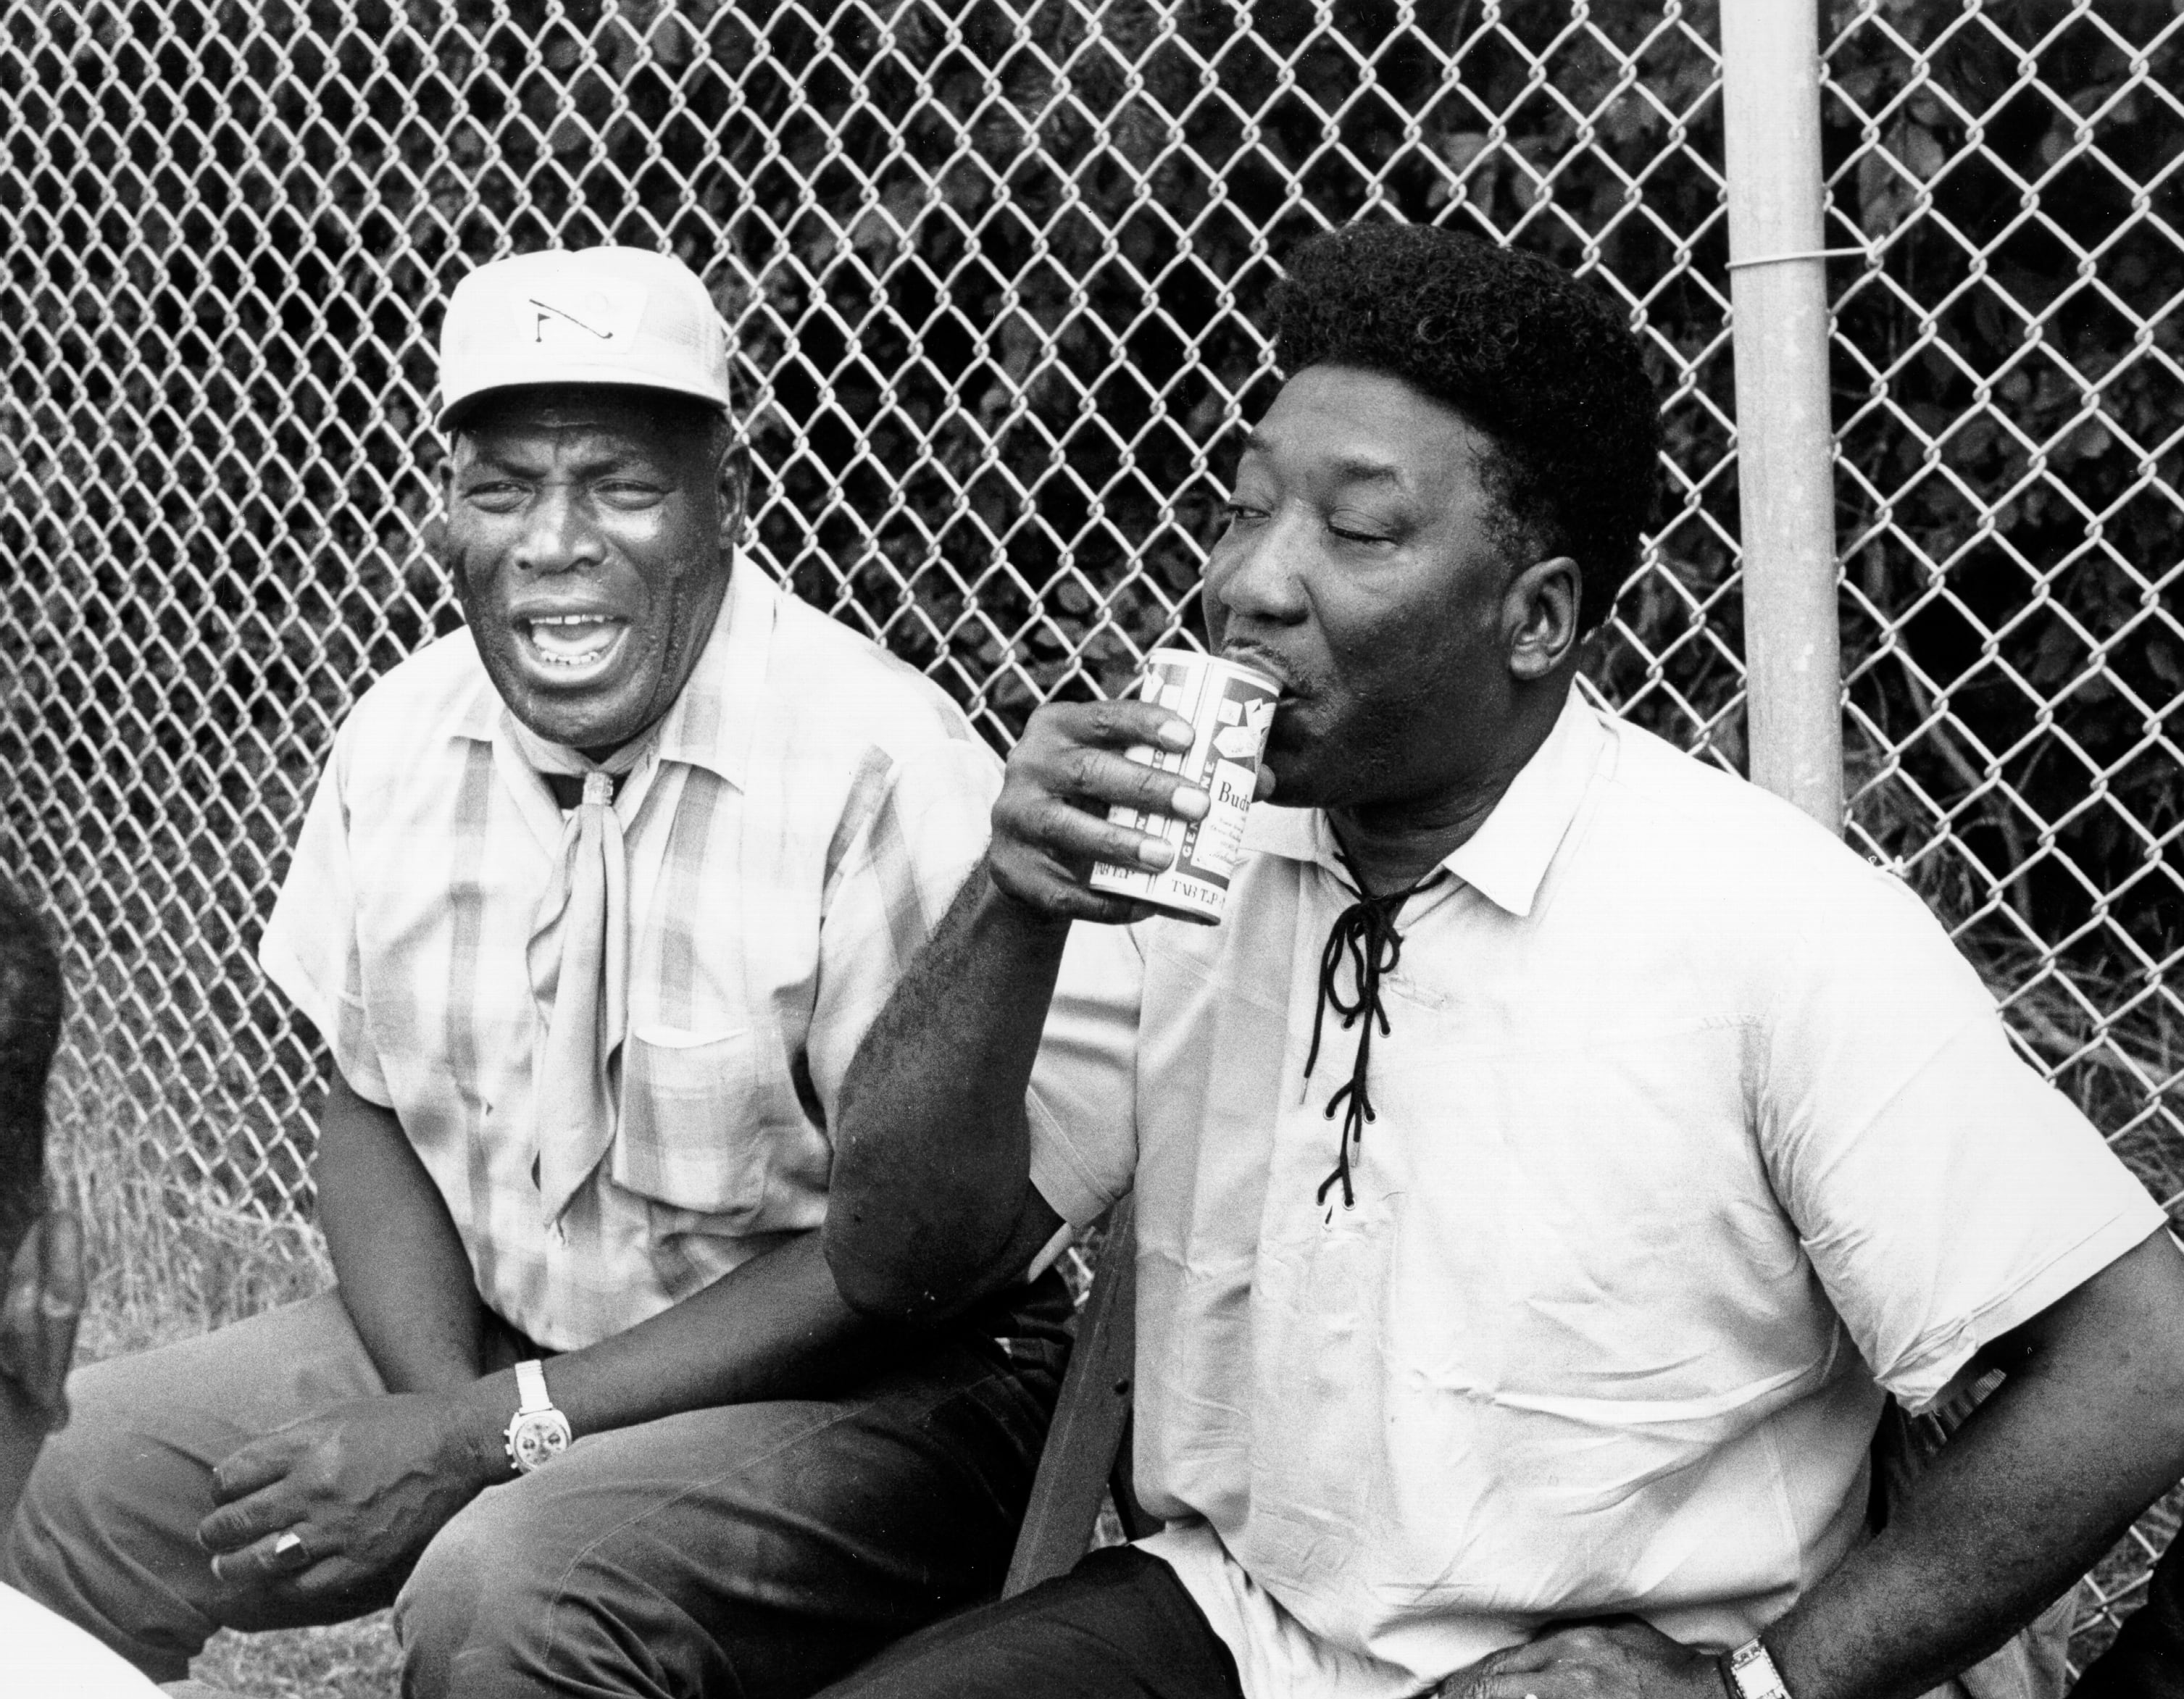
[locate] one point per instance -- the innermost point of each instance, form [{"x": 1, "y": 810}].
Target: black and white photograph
[{"x": 1091, "y": 849}]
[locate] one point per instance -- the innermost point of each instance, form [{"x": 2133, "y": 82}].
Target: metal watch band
[
  {"x": 1752, "y": 1672},
  {"x": 530, "y": 1394}
]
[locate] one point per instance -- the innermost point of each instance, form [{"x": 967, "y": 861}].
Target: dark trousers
[
  {"x": 2147, "y": 1661},
  {"x": 751, "y": 1551},
  {"x": 1118, "y": 1626}
]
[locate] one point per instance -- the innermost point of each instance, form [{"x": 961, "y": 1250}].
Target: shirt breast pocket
[{"x": 688, "y": 1101}]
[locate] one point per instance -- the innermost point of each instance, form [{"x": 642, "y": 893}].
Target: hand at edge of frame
[
  {"x": 38, "y": 1318},
  {"x": 1610, "y": 1658}
]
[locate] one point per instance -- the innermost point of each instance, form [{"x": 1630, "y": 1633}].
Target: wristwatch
[
  {"x": 1751, "y": 1673},
  {"x": 537, "y": 1433}
]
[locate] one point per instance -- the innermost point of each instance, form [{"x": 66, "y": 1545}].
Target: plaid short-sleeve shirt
[{"x": 806, "y": 814}]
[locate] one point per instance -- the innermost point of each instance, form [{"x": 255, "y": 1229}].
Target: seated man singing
[
  {"x": 592, "y": 905},
  {"x": 1553, "y": 1162}
]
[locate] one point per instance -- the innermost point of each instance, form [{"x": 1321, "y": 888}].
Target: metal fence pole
[{"x": 1785, "y": 441}]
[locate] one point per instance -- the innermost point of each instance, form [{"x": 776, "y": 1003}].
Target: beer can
[{"x": 1230, "y": 709}]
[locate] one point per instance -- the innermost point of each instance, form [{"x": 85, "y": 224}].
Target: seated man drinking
[
  {"x": 1555, "y": 1156},
  {"x": 591, "y": 906}
]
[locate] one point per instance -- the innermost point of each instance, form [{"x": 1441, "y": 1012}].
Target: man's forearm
[
  {"x": 404, "y": 1277},
  {"x": 774, "y": 1327},
  {"x": 2025, "y": 1497},
  {"x": 931, "y": 1150}
]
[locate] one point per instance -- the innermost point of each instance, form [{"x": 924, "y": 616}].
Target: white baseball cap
[{"x": 619, "y": 315}]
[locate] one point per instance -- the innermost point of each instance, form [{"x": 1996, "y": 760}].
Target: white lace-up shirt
[{"x": 1694, "y": 1134}]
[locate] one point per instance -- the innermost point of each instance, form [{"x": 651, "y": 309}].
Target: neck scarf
[
  {"x": 1365, "y": 933},
  {"x": 578, "y": 958}
]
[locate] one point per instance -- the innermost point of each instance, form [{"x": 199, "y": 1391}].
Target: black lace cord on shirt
[{"x": 1364, "y": 932}]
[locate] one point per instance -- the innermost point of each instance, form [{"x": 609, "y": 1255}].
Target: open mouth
[{"x": 571, "y": 642}]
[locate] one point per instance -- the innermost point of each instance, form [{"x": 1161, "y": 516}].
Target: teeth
[{"x": 571, "y": 639}]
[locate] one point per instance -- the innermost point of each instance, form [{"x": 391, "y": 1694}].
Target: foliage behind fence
[{"x": 994, "y": 267}]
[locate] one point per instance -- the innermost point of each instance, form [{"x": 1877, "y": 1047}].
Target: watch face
[{"x": 535, "y": 1439}]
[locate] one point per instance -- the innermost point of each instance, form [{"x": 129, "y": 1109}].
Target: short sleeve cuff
[
  {"x": 1051, "y": 1253},
  {"x": 286, "y": 969},
  {"x": 339, "y": 1021},
  {"x": 1069, "y": 1186},
  {"x": 1928, "y": 1370}
]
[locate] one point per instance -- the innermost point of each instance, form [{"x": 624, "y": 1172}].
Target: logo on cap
[
  {"x": 616, "y": 316},
  {"x": 607, "y": 313}
]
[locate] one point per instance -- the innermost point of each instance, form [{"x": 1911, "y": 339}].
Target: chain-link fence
[
  {"x": 2008, "y": 425},
  {"x": 993, "y": 266}
]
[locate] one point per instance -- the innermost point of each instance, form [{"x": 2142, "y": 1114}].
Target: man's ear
[
  {"x": 433, "y": 533},
  {"x": 1540, "y": 614},
  {"x": 734, "y": 476}
]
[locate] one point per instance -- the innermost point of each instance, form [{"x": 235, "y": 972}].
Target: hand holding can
[
  {"x": 1067, "y": 774},
  {"x": 1230, "y": 709}
]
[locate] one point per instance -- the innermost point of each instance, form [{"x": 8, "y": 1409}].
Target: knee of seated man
[
  {"x": 107, "y": 1475},
  {"x": 497, "y": 1576},
  {"x": 474, "y": 1567},
  {"x": 514, "y": 1596}
]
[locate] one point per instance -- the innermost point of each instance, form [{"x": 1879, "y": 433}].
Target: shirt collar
[
  {"x": 713, "y": 722},
  {"x": 1507, "y": 859},
  {"x": 477, "y": 714}
]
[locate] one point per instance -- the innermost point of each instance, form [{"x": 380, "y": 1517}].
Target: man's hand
[
  {"x": 37, "y": 1344},
  {"x": 37, "y": 1326},
  {"x": 1050, "y": 821},
  {"x": 1616, "y": 1658},
  {"x": 327, "y": 1505}
]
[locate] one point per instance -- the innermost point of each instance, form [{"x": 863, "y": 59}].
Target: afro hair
[{"x": 1542, "y": 365}]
